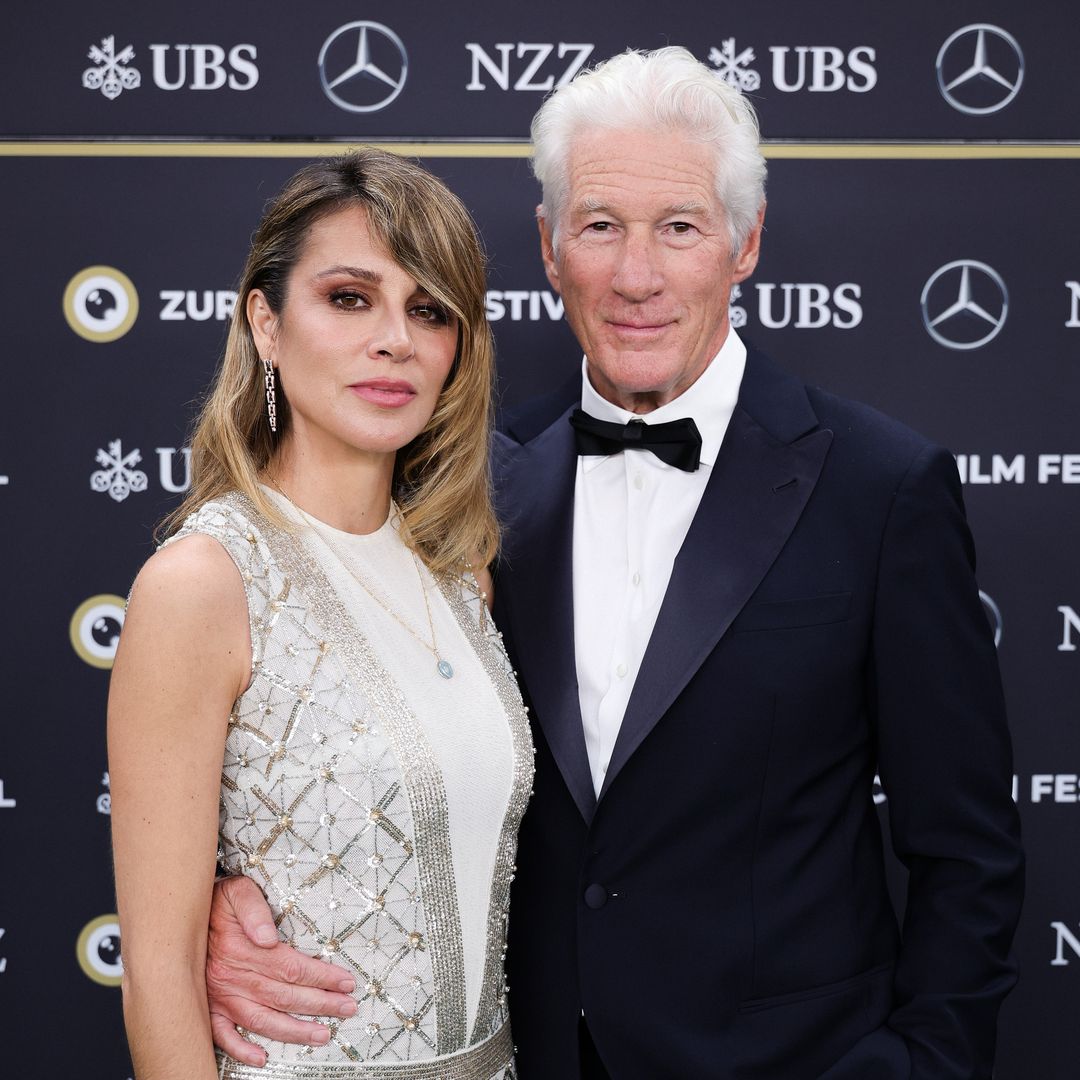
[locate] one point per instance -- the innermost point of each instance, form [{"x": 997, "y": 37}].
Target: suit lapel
[
  {"x": 762, "y": 479},
  {"x": 538, "y": 576}
]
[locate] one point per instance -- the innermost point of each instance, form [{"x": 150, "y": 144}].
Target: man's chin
[{"x": 633, "y": 375}]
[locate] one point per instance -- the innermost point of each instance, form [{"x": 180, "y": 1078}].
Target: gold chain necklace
[{"x": 442, "y": 665}]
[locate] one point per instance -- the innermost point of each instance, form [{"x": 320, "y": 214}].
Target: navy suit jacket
[{"x": 721, "y": 910}]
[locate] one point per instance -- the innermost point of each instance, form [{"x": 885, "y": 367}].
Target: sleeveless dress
[{"x": 374, "y": 802}]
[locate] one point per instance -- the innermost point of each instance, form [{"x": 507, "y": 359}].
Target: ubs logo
[
  {"x": 980, "y": 69},
  {"x": 111, "y": 72},
  {"x": 101, "y": 303},
  {"x": 192, "y": 67},
  {"x": 363, "y": 66},
  {"x": 964, "y": 304},
  {"x": 119, "y": 474},
  {"x": 815, "y": 68}
]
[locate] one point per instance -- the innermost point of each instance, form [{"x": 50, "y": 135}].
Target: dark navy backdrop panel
[{"x": 920, "y": 254}]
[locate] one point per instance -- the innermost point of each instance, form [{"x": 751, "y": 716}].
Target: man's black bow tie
[{"x": 677, "y": 442}]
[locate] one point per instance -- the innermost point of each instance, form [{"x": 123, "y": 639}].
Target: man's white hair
[{"x": 667, "y": 90}]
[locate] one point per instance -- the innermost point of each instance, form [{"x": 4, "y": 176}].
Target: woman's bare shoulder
[
  {"x": 188, "y": 610},
  {"x": 192, "y": 570}
]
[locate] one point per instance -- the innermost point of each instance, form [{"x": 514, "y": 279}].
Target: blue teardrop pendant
[{"x": 445, "y": 669}]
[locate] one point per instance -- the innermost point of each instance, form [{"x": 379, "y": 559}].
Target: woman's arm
[{"x": 184, "y": 657}]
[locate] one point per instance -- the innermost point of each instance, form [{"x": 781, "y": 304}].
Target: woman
[{"x": 313, "y": 623}]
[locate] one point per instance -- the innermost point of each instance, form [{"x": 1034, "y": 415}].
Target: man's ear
[
  {"x": 263, "y": 322},
  {"x": 547, "y": 249},
  {"x": 747, "y": 259}
]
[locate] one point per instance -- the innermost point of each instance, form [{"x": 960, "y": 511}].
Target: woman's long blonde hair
[{"x": 442, "y": 480}]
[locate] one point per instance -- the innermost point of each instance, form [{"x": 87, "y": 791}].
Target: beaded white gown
[{"x": 375, "y": 802}]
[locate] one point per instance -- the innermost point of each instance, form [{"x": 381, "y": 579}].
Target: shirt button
[
  {"x": 639, "y": 481},
  {"x": 596, "y": 897},
  {"x": 636, "y": 579},
  {"x": 620, "y": 670}
]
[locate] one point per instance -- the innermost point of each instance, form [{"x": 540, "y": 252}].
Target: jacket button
[{"x": 595, "y": 897}]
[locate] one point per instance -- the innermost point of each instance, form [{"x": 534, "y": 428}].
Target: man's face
[{"x": 644, "y": 263}]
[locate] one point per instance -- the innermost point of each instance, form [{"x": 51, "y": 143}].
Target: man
[{"x": 723, "y": 627}]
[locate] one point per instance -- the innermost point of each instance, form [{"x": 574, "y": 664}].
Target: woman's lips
[{"x": 391, "y": 393}]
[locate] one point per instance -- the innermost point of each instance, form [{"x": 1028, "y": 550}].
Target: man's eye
[
  {"x": 681, "y": 227},
  {"x": 600, "y": 226}
]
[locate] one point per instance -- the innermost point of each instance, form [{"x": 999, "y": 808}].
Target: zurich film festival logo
[
  {"x": 980, "y": 69},
  {"x": 964, "y": 304},
  {"x": 95, "y": 629},
  {"x": 523, "y": 305},
  {"x": 101, "y": 304},
  {"x": 363, "y": 66},
  {"x": 98, "y": 951}
]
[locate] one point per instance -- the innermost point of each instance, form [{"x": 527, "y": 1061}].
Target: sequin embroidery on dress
[{"x": 332, "y": 801}]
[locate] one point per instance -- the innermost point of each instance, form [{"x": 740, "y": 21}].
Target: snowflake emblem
[
  {"x": 112, "y": 76},
  {"x": 118, "y": 475},
  {"x": 733, "y": 67},
  {"x": 736, "y": 314}
]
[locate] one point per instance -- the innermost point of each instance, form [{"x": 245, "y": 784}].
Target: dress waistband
[{"x": 479, "y": 1062}]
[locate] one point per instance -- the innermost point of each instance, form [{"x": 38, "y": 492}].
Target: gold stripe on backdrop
[{"x": 866, "y": 151}]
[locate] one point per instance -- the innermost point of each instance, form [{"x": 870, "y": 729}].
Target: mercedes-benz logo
[
  {"x": 983, "y": 73},
  {"x": 363, "y": 66},
  {"x": 964, "y": 304}
]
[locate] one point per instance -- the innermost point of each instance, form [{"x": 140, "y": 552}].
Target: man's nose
[{"x": 637, "y": 276}]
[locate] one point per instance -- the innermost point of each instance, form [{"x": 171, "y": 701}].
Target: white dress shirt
[{"x": 631, "y": 515}]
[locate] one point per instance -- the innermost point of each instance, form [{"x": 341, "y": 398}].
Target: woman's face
[{"x": 361, "y": 350}]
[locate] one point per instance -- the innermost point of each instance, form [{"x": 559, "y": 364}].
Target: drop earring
[{"x": 271, "y": 393}]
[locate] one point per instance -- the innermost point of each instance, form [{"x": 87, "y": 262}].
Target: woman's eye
[
  {"x": 349, "y": 301},
  {"x": 430, "y": 313}
]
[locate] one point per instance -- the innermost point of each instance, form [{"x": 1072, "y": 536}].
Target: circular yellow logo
[
  {"x": 95, "y": 629},
  {"x": 98, "y": 950},
  {"x": 100, "y": 303}
]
